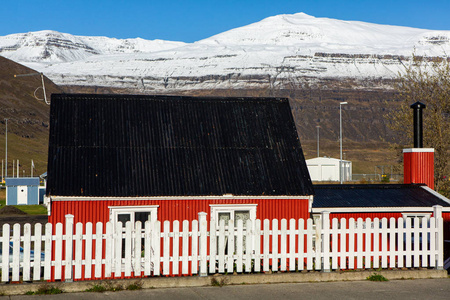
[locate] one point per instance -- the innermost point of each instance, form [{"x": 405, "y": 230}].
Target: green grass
[
  {"x": 97, "y": 288},
  {"x": 45, "y": 290},
  {"x": 32, "y": 209},
  {"x": 3, "y": 197},
  {"x": 135, "y": 286},
  {"x": 108, "y": 286}
]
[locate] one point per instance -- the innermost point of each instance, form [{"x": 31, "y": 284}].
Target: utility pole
[
  {"x": 318, "y": 127},
  {"x": 6, "y": 149},
  {"x": 340, "y": 132}
]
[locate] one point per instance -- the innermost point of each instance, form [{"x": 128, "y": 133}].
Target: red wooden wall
[{"x": 97, "y": 210}]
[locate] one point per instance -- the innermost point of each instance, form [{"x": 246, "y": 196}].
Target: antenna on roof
[{"x": 43, "y": 85}]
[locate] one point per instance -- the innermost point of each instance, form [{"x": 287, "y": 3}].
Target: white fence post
[
  {"x": 78, "y": 249},
  {"x": 166, "y": 248},
  {"x": 176, "y": 248},
  {"x": 203, "y": 243},
  {"x": 98, "y": 249},
  {"x": 325, "y": 240},
  {"x": 185, "y": 245},
  {"x": 16, "y": 253},
  {"x": 26, "y": 252},
  {"x": 69, "y": 249},
  {"x": 437, "y": 212},
  {"x": 212, "y": 246},
  {"x": 318, "y": 250},
  {"x": 257, "y": 243},
  {"x": 5, "y": 254},
  {"x": 309, "y": 244},
  {"x": 37, "y": 251},
  {"x": 88, "y": 251},
  {"x": 156, "y": 247},
  {"x": 275, "y": 254},
  {"x": 194, "y": 262},
  {"x": 301, "y": 245},
  {"x": 109, "y": 244},
  {"x": 48, "y": 251},
  {"x": 148, "y": 252},
  {"x": 292, "y": 245}
]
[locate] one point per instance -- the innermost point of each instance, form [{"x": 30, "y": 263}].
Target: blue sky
[{"x": 189, "y": 21}]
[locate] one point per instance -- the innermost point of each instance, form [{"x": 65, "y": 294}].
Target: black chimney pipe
[{"x": 418, "y": 130}]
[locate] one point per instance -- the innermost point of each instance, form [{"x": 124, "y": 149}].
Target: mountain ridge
[{"x": 272, "y": 53}]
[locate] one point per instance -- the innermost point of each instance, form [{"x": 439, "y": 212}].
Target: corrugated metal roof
[
  {"x": 130, "y": 145},
  {"x": 374, "y": 195}
]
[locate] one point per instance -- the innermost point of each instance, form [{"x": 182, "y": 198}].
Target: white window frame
[
  {"x": 421, "y": 215},
  {"x": 114, "y": 211},
  {"x": 231, "y": 208},
  {"x": 417, "y": 214}
]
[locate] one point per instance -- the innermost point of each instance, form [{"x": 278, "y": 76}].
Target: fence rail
[{"x": 202, "y": 247}]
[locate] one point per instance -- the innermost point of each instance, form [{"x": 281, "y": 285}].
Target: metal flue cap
[{"x": 418, "y": 105}]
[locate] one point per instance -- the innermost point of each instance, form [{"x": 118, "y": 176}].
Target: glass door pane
[
  {"x": 123, "y": 217},
  {"x": 142, "y": 216},
  {"x": 243, "y": 215}
]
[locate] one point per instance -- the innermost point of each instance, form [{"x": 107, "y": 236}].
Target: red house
[{"x": 124, "y": 157}]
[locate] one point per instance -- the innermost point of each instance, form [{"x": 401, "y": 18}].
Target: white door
[{"x": 22, "y": 194}]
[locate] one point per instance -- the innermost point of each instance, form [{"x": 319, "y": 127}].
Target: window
[
  {"x": 233, "y": 212},
  {"x": 132, "y": 213},
  {"x": 422, "y": 217}
]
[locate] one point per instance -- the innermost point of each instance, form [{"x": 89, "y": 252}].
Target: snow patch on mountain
[
  {"x": 276, "y": 49},
  {"x": 55, "y": 47}
]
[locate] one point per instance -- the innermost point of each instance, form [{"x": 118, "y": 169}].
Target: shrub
[{"x": 377, "y": 277}]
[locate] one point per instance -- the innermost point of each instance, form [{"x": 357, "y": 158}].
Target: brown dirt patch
[{"x": 11, "y": 210}]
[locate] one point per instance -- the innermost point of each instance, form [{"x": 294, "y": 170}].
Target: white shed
[{"x": 327, "y": 169}]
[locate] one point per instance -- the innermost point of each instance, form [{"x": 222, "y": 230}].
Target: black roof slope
[
  {"x": 130, "y": 145},
  {"x": 375, "y": 195}
]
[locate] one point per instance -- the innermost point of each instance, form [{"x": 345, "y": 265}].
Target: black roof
[
  {"x": 375, "y": 195},
  {"x": 137, "y": 145}
]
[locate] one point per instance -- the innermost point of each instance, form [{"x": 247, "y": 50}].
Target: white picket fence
[{"x": 130, "y": 251}]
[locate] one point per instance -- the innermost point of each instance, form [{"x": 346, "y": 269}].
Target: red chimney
[
  {"x": 418, "y": 162},
  {"x": 418, "y": 166}
]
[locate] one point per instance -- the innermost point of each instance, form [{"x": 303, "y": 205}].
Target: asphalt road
[{"x": 395, "y": 289}]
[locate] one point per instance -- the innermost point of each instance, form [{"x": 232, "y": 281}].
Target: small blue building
[{"x": 22, "y": 191}]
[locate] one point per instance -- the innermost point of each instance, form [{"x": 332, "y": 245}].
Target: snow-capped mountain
[
  {"x": 266, "y": 53},
  {"x": 54, "y": 47}
]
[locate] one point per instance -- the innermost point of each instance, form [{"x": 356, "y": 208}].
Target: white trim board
[
  {"x": 436, "y": 194},
  {"x": 375, "y": 209},
  {"x": 417, "y": 150},
  {"x": 226, "y": 197}
]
